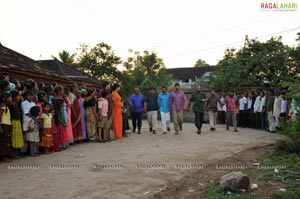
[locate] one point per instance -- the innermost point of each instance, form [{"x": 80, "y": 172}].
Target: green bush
[
  {"x": 292, "y": 193},
  {"x": 291, "y": 128}
]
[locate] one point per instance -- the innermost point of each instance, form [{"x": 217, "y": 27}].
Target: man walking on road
[
  {"x": 136, "y": 102},
  {"x": 178, "y": 104},
  {"x": 212, "y": 107},
  {"x": 150, "y": 106},
  {"x": 231, "y": 104},
  {"x": 163, "y": 101},
  {"x": 199, "y": 98}
]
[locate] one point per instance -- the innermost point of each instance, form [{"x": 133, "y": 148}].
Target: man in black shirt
[{"x": 150, "y": 106}]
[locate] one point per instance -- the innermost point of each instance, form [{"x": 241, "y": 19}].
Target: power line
[
  {"x": 85, "y": 6},
  {"x": 227, "y": 28},
  {"x": 233, "y": 43}
]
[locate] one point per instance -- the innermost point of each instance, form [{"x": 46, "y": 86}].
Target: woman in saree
[{"x": 117, "y": 111}]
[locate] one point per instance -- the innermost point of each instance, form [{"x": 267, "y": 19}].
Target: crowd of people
[
  {"x": 47, "y": 117},
  {"x": 262, "y": 109}
]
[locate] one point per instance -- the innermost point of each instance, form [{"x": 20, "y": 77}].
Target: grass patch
[
  {"x": 288, "y": 165},
  {"x": 290, "y": 160},
  {"x": 248, "y": 171},
  {"x": 291, "y": 175},
  {"x": 212, "y": 191},
  {"x": 292, "y": 193}
]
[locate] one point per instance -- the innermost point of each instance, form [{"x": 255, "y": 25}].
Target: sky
[{"x": 179, "y": 31}]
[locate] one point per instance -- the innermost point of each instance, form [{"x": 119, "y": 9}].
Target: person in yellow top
[
  {"x": 5, "y": 127},
  {"x": 47, "y": 138},
  {"x": 16, "y": 117}
]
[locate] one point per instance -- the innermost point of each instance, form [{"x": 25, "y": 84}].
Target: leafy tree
[
  {"x": 144, "y": 71},
  {"x": 66, "y": 58},
  {"x": 292, "y": 81},
  {"x": 255, "y": 64},
  {"x": 200, "y": 63},
  {"x": 99, "y": 61},
  {"x": 224, "y": 76},
  {"x": 291, "y": 128}
]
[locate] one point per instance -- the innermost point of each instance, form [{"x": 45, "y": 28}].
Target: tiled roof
[
  {"x": 191, "y": 72},
  {"x": 10, "y": 59},
  {"x": 68, "y": 71}
]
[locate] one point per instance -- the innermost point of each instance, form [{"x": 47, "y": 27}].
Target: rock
[
  {"x": 253, "y": 186},
  {"x": 255, "y": 163},
  {"x": 234, "y": 181},
  {"x": 229, "y": 193},
  {"x": 147, "y": 192},
  {"x": 191, "y": 189}
]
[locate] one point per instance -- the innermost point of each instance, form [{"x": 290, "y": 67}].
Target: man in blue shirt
[
  {"x": 136, "y": 102},
  {"x": 163, "y": 101}
]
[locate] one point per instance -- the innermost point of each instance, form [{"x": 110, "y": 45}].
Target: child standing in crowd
[
  {"x": 31, "y": 128},
  {"x": 69, "y": 129},
  {"x": 59, "y": 124},
  {"x": 49, "y": 94},
  {"x": 41, "y": 99},
  {"x": 47, "y": 138},
  {"x": 26, "y": 105},
  {"x": 59, "y": 94},
  {"x": 5, "y": 127},
  {"x": 16, "y": 115},
  {"x": 102, "y": 117}
]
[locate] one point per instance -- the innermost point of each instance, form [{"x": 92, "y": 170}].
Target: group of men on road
[{"x": 174, "y": 104}]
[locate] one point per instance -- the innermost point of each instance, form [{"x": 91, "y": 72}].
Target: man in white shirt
[
  {"x": 221, "y": 110},
  {"x": 262, "y": 109},
  {"x": 249, "y": 118},
  {"x": 284, "y": 106},
  {"x": 243, "y": 105},
  {"x": 257, "y": 110}
]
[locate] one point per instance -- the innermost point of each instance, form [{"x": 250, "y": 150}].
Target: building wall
[{"x": 23, "y": 76}]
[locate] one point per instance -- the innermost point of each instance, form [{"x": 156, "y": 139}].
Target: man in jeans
[
  {"x": 178, "y": 104},
  {"x": 136, "y": 102},
  {"x": 199, "y": 98},
  {"x": 231, "y": 104},
  {"x": 150, "y": 106}
]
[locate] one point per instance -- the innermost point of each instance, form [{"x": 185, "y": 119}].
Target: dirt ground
[
  {"x": 193, "y": 184},
  {"x": 139, "y": 166}
]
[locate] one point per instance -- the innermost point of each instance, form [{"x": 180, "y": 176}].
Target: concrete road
[{"x": 134, "y": 167}]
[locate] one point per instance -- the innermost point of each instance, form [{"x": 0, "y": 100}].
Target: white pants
[
  {"x": 212, "y": 119},
  {"x": 152, "y": 119},
  {"x": 277, "y": 121},
  {"x": 165, "y": 120},
  {"x": 271, "y": 121}
]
